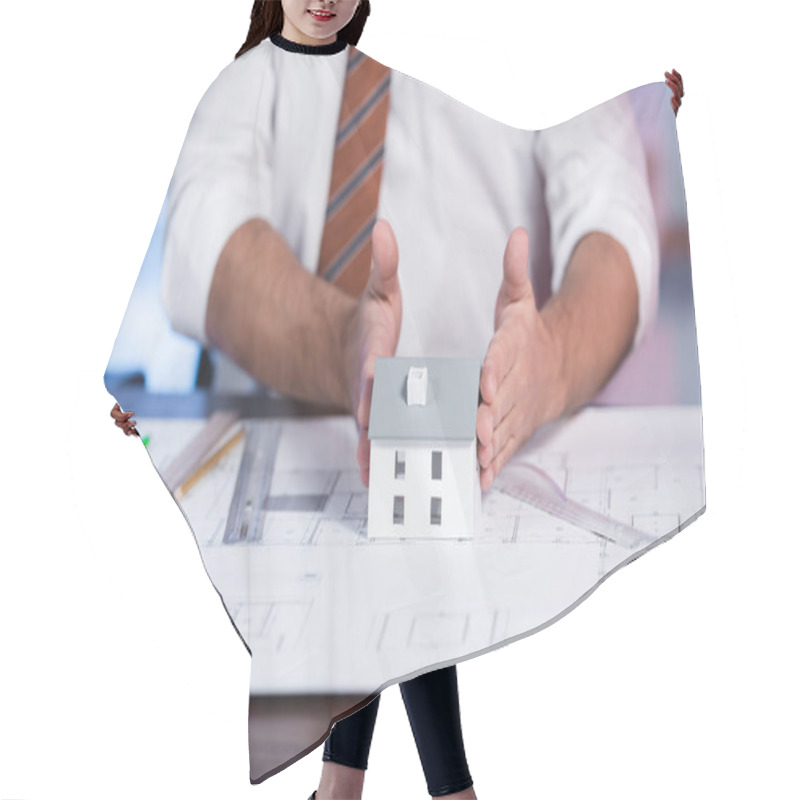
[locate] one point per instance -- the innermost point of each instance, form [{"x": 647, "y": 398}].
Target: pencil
[{"x": 208, "y": 465}]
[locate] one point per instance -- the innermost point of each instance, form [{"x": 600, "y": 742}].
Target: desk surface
[{"x": 324, "y": 609}]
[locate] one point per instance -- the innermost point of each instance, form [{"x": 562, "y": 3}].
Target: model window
[
  {"x": 436, "y": 510},
  {"x": 436, "y": 465},
  {"x": 399, "y": 463},
  {"x": 398, "y": 513}
]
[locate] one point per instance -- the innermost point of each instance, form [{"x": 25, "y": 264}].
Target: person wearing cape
[{"x": 242, "y": 271}]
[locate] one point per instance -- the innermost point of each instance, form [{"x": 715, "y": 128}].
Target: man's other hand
[{"x": 520, "y": 378}]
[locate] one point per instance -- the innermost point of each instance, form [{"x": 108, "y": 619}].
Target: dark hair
[{"x": 266, "y": 18}]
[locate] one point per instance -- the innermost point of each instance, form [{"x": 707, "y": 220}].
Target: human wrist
[
  {"x": 558, "y": 393},
  {"x": 348, "y": 373}
]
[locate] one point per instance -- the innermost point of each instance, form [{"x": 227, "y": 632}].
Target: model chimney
[{"x": 417, "y": 386}]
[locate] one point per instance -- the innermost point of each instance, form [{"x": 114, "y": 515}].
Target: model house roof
[{"x": 451, "y": 403}]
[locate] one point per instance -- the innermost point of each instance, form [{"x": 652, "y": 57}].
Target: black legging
[{"x": 432, "y": 706}]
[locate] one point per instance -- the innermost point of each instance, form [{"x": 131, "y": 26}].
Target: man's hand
[
  {"x": 675, "y": 82},
  {"x": 374, "y": 332},
  {"x": 124, "y": 420},
  {"x": 296, "y": 332},
  {"x": 521, "y": 384}
]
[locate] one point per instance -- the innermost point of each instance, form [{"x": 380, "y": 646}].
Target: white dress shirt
[{"x": 455, "y": 184}]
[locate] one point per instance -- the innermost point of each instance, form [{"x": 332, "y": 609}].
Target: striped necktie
[{"x": 346, "y": 249}]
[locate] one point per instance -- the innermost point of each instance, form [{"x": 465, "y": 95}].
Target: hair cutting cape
[{"x": 271, "y": 488}]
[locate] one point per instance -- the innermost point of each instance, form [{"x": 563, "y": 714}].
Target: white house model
[{"x": 423, "y": 476}]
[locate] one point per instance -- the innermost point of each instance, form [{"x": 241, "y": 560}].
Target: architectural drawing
[{"x": 312, "y": 576}]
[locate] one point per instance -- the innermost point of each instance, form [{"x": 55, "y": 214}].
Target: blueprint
[{"x": 325, "y": 609}]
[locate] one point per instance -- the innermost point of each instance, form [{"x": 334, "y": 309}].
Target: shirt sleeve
[
  {"x": 596, "y": 181},
  {"x": 221, "y": 180}
]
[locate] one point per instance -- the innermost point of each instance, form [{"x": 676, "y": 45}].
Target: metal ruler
[
  {"x": 532, "y": 485},
  {"x": 246, "y": 514}
]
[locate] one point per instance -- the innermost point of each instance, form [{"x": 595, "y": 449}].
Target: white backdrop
[{"x": 120, "y": 674}]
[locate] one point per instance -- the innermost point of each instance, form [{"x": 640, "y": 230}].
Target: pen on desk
[{"x": 208, "y": 465}]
